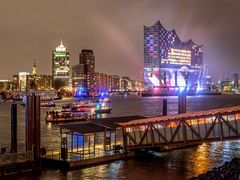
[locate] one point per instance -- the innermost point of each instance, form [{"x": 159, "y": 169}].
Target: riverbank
[{"x": 229, "y": 170}]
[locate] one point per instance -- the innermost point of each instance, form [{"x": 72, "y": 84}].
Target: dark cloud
[{"x": 114, "y": 30}]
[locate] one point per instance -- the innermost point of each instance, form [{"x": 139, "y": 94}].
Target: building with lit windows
[
  {"x": 78, "y": 77},
  {"x": 25, "y": 81},
  {"x": 114, "y": 82},
  {"x": 125, "y": 83},
  {"x": 6, "y": 85},
  {"x": 169, "y": 62},
  {"x": 87, "y": 58},
  {"x": 101, "y": 83},
  {"x": 235, "y": 81},
  {"x": 60, "y": 67}
]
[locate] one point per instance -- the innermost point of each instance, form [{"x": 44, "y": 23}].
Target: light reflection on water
[{"x": 178, "y": 164}]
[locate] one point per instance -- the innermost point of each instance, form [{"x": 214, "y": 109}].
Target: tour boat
[
  {"x": 85, "y": 106},
  {"x": 56, "y": 117},
  {"x": 43, "y": 104},
  {"x": 106, "y": 99},
  {"x": 102, "y": 108},
  {"x": 80, "y": 106}
]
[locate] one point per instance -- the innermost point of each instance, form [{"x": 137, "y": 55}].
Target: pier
[
  {"x": 17, "y": 163},
  {"x": 101, "y": 140},
  {"x": 18, "y": 159},
  {"x": 89, "y": 143},
  {"x": 186, "y": 128}
]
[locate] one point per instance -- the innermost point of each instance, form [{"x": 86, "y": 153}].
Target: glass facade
[{"x": 168, "y": 61}]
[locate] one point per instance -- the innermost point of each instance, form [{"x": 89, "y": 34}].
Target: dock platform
[{"x": 85, "y": 162}]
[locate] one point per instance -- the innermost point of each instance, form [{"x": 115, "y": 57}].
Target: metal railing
[
  {"x": 80, "y": 154},
  {"x": 10, "y": 158}
]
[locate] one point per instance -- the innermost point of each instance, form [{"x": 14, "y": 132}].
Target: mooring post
[
  {"x": 14, "y": 128},
  {"x": 33, "y": 125},
  {"x": 164, "y": 107},
  {"x": 182, "y": 102}
]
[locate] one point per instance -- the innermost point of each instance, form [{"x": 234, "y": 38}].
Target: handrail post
[{"x": 220, "y": 127}]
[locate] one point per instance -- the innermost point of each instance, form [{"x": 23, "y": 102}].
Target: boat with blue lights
[{"x": 84, "y": 106}]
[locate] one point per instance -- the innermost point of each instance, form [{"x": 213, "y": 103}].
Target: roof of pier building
[
  {"x": 113, "y": 122},
  {"x": 98, "y": 125},
  {"x": 84, "y": 127},
  {"x": 177, "y": 117}
]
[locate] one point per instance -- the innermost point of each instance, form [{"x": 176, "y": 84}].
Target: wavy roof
[{"x": 158, "y": 23}]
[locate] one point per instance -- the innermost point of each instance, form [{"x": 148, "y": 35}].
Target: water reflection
[
  {"x": 178, "y": 164},
  {"x": 200, "y": 159}
]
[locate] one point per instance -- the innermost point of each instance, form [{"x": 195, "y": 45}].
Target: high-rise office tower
[
  {"x": 87, "y": 58},
  {"x": 168, "y": 61},
  {"x": 60, "y": 67}
]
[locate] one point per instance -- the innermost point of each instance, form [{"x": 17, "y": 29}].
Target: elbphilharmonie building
[{"x": 169, "y": 62}]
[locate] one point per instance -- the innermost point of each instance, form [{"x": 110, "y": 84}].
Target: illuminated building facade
[
  {"x": 34, "y": 68},
  {"x": 78, "y": 77},
  {"x": 235, "y": 81},
  {"x": 101, "y": 83},
  {"x": 16, "y": 82},
  {"x": 87, "y": 58},
  {"x": 6, "y": 85},
  {"x": 39, "y": 82},
  {"x": 23, "y": 80},
  {"x": 60, "y": 67},
  {"x": 114, "y": 82},
  {"x": 169, "y": 62},
  {"x": 26, "y": 81}
]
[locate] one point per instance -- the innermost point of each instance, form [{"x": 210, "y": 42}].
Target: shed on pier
[{"x": 92, "y": 138}]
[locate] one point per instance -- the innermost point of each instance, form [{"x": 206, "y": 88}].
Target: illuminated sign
[{"x": 178, "y": 57}]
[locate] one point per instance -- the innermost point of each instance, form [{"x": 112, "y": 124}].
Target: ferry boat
[
  {"x": 84, "y": 106},
  {"x": 106, "y": 100},
  {"x": 56, "y": 117},
  {"x": 48, "y": 104},
  {"x": 44, "y": 103},
  {"x": 102, "y": 108},
  {"x": 79, "y": 106}
]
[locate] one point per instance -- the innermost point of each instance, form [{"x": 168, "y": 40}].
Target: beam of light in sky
[{"x": 118, "y": 38}]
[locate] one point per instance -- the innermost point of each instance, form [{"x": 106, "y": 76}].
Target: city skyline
[{"x": 115, "y": 32}]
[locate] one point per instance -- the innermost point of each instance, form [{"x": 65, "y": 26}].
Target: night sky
[{"x": 114, "y": 30}]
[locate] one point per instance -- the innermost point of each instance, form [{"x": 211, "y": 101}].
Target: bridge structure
[{"x": 187, "y": 128}]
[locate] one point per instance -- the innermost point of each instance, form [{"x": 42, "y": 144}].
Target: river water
[{"x": 177, "y": 164}]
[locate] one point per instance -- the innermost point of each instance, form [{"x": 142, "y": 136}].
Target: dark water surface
[{"x": 177, "y": 164}]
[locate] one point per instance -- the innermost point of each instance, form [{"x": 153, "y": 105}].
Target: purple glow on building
[{"x": 168, "y": 61}]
